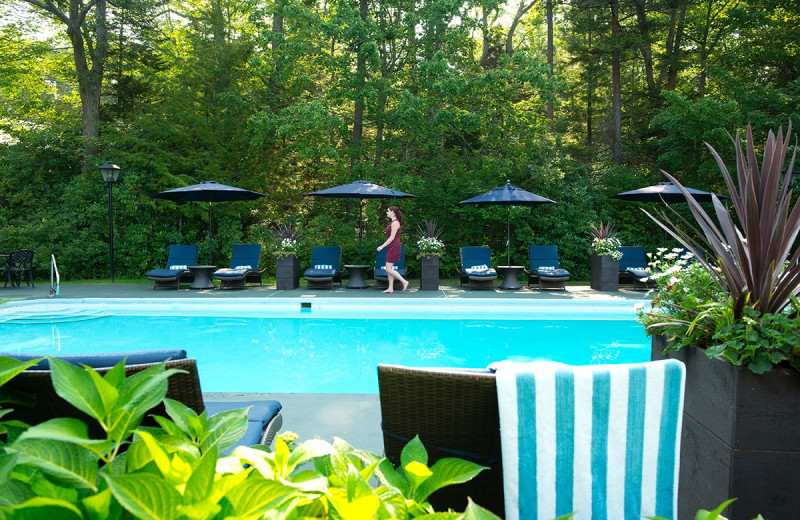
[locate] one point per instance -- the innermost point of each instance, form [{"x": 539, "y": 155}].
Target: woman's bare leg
[{"x": 392, "y": 275}]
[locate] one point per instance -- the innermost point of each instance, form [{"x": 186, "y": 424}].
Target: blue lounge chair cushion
[
  {"x": 319, "y": 273},
  {"x": 227, "y": 272},
  {"x": 165, "y": 273},
  {"x": 551, "y": 272},
  {"x": 638, "y": 272},
  {"x": 134, "y": 357},
  {"x": 258, "y": 415},
  {"x": 480, "y": 270}
]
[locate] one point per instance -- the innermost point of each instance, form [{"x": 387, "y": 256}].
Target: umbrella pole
[
  {"x": 210, "y": 238},
  {"x": 360, "y": 221},
  {"x": 508, "y": 235}
]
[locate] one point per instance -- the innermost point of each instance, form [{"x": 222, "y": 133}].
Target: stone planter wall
[
  {"x": 429, "y": 276},
  {"x": 741, "y": 438},
  {"x": 605, "y": 273},
  {"x": 287, "y": 273}
]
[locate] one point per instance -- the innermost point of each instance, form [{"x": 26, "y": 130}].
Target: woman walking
[{"x": 393, "y": 248}]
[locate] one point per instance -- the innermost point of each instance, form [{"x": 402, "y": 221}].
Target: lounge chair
[
  {"x": 633, "y": 267},
  {"x": 454, "y": 412},
  {"x": 545, "y": 268},
  {"x": 326, "y": 267},
  {"x": 264, "y": 418},
  {"x": 244, "y": 263},
  {"x": 602, "y": 440},
  {"x": 178, "y": 262},
  {"x": 476, "y": 267},
  {"x": 381, "y": 278}
]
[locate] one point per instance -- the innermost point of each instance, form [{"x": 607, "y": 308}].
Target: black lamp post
[{"x": 110, "y": 173}]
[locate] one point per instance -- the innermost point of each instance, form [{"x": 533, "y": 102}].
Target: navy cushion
[
  {"x": 480, "y": 273},
  {"x": 165, "y": 273},
  {"x": 230, "y": 273},
  {"x": 319, "y": 273},
  {"x": 553, "y": 273},
  {"x": 258, "y": 416},
  {"x": 638, "y": 272},
  {"x": 135, "y": 357}
]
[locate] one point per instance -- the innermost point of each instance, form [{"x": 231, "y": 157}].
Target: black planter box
[
  {"x": 741, "y": 438},
  {"x": 429, "y": 277},
  {"x": 605, "y": 273},
  {"x": 287, "y": 273}
]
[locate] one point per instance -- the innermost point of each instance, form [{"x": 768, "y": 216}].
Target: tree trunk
[
  {"x": 361, "y": 81},
  {"x": 616, "y": 80},
  {"x": 647, "y": 53}
]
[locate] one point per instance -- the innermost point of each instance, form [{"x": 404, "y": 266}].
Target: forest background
[{"x": 572, "y": 100}]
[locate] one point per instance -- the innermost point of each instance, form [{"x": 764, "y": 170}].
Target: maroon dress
[{"x": 393, "y": 249}]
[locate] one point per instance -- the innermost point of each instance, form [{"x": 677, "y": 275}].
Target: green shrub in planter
[{"x": 176, "y": 471}]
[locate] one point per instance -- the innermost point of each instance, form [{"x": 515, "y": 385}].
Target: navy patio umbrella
[
  {"x": 360, "y": 190},
  {"x": 508, "y": 195},
  {"x": 664, "y": 192},
  {"x": 208, "y": 191},
  {"x": 667, "y": 193}
]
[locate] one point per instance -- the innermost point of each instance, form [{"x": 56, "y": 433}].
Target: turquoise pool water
[{"x": 328, "y": 345}]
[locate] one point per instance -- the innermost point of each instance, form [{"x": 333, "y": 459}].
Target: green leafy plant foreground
[{"x": 177, "y": 471}]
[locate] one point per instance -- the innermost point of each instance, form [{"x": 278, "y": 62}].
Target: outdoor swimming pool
[{"x": 328, "y": 345}]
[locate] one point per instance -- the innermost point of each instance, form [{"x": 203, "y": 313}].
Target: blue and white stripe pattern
[{"x": 602, "y": 441}]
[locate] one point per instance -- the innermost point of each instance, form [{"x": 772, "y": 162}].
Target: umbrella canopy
[
  {"x": 360, "y": 190},
  {"x": 664, "y": 192},
  {"x": 667, "y": 193},
  {"x": 508, "y": 195},
  {"x": 209, "y": 191}
]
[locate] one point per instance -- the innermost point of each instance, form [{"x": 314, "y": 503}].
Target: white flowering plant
[
  {"x": 430, "y": 246},
  {"x": 287, "y": 247},
  {"x": 287, "y": 240},
  {"x": 685, "y": 302},
  {"x": 428, "y": 241},
  {"x": 605, "y": 241}
]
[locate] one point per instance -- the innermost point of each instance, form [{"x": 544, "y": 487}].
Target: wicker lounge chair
[
  {"x": 19, "y": 264},
  {"x": 545, "y": 268},
  {"x": 476, "y": 267},
  {"x": 633, "y": 267},
  {"x": 244, "y": 263},
  {"x": 264, "y": 418},
  {"x": 454, "y": 412},
  {"x": 381, "y": 278},
  {"x": 178, "y": 262},
  {"x": 326, "y": 267}
]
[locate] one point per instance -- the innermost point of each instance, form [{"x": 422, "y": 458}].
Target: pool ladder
[{"x": 55, "y": 288}]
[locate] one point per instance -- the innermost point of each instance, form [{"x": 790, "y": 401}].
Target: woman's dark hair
[{"x": 397, "y": 213}]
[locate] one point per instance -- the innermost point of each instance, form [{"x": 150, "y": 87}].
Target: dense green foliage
[
  {"x": 426, "y": 96},
  {"x": 177, "y": 470}
]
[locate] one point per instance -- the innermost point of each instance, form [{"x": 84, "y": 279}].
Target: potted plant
[
  {"x": 430, "y": 248},
  {"x": 732, "y": 316},
  {"x": 605, "y": 257},
  {"x": 287, "y": 266}
]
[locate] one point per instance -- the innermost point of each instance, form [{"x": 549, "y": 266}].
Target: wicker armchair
[
  {"x": 264, "y": 418},
  {"x": 454, "y": 412}
]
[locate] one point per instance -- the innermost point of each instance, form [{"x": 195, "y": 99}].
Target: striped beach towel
[{"x": 602, "y": 441}]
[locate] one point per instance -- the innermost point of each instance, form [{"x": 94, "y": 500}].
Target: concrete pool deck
[{"x": 355, "y": 418}]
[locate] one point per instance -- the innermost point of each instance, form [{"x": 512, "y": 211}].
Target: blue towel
[{"x": 602, "y": 441}]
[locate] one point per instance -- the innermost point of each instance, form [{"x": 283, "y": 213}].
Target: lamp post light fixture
[{"x": 110, "y": 173}]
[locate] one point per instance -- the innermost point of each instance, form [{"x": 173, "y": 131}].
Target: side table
[
  {"x": 510, "y": 274},
  {"x": 202, "y": 276},
  {"x": 357, "y": 280}
]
